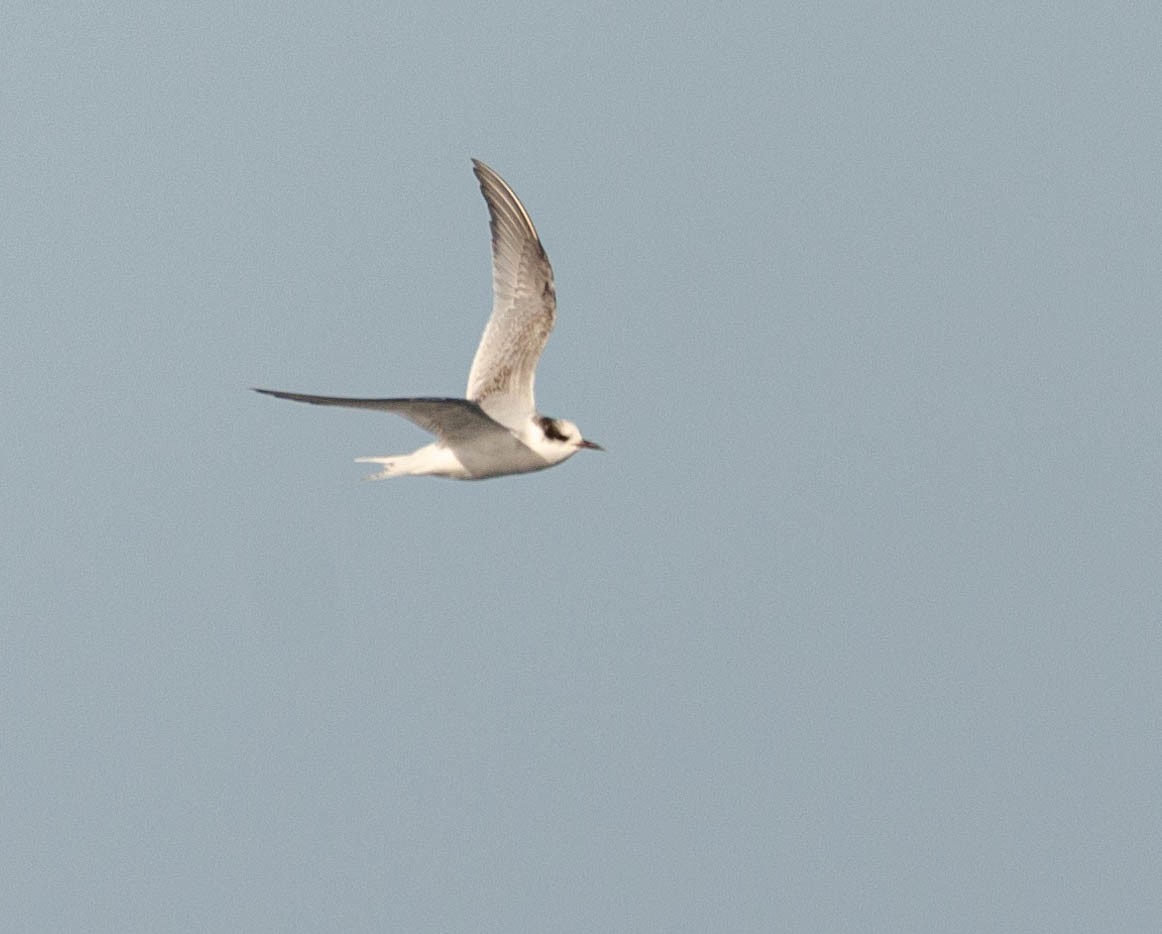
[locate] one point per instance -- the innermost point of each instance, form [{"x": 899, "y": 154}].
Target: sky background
[{"x": 855, "y": 627}]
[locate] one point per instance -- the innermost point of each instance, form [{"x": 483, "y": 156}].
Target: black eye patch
[{"x": 549, "y": 427}]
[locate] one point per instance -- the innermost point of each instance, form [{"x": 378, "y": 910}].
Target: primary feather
[
  {"x": 524, "y": 306},
  {"x": 447, "y": 419}
]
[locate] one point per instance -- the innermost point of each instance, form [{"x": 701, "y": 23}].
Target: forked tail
[
  {"x": 430, "y": 460},
  {"x": 392, "y": 466}
]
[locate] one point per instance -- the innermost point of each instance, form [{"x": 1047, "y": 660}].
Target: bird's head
[{"x": 564, "y": 432}]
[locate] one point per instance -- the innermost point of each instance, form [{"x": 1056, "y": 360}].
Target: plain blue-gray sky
[{"x": 855, "y": 627}]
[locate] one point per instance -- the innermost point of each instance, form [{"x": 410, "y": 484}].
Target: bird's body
[{"x": 496, "y": 429}]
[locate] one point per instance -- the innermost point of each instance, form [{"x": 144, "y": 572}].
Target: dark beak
[{"x": 592, "y": 445}]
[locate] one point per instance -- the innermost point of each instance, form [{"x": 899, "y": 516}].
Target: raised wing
[
  {"x": 524, "y": 307},
  {"x": 450, "y": 420}
]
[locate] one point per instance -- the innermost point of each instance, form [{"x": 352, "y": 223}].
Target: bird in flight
[{"x": 496, "y": 430}]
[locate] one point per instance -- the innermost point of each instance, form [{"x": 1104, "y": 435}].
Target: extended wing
[
  {"x": 523, "y": 307},
  {"x": 450, "y": 420}
]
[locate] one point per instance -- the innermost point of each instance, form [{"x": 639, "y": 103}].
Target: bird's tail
[{"x": 392, "y": 466}]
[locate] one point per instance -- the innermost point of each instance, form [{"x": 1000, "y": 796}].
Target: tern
[{"x": 496, "y": 429}]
